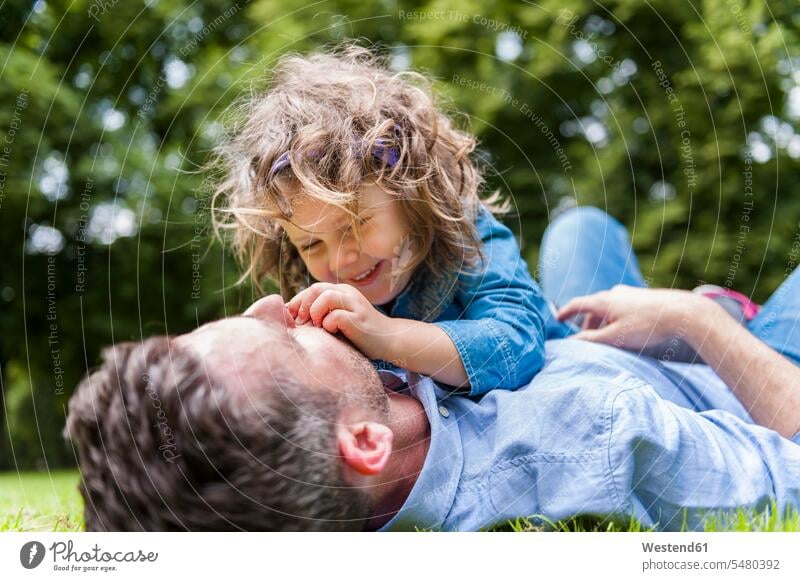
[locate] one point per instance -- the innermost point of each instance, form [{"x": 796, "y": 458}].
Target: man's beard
[{"x": 371, "y": 392}]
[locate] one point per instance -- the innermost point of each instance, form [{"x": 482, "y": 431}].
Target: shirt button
[{"x": 444, "y": 411}]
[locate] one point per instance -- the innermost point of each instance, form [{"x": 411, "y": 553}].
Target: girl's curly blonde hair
[{"x": 323, "y": 129}]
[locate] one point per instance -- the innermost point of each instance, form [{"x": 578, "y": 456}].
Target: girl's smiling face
[{"x": 374, "y": 263}]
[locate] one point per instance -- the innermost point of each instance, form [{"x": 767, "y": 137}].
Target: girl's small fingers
[
  {"x": 335, "y": 321},
  {"x": 294, "y": 304},
  {"x": 303, "y": 310},
  {"x": 331, "y": 323},
  {"x": 306, "y": 298},
  {"x": 326, "y": 302}
]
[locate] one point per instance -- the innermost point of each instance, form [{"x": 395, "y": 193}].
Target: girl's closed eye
[
  {"x": 310, "y": 246},
  {"x": 362, "y": 221},
  {"x": 357, "y": 224},
  {"x": 315, "y": 244}
]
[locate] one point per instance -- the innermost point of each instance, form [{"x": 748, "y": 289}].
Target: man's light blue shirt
[{"x": 598, "y": 431}]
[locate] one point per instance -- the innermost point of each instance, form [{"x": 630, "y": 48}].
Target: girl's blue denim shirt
[{"x": 497, "y": 316}]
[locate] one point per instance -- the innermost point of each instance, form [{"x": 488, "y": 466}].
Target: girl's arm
[
  {"x": 425, "y": 348},
  {"x": 765, "y": 382},
  {"x": 503, "y": 320}
]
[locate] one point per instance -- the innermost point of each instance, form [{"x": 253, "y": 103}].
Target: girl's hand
[
  {"x": 340, "y": 308},
  {"x": 635, "y": 318}
]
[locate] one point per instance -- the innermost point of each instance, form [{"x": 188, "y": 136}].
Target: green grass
[
  {"x": 42, "y": 501},
  {"x": 741, "y": 520}
]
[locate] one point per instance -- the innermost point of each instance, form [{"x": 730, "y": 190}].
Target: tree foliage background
[{"x": 678, "y": 117}]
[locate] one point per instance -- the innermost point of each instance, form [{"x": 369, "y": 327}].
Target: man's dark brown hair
[{"x": 163, "y": 445}]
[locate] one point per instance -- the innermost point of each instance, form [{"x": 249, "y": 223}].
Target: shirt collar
[
  {"x": 392, "y": 379},
  {"x": 426, "y": 296},
  {"x": 434, "y": 492}
]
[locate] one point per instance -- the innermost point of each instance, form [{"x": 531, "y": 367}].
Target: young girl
[{"x": 352, "y": 189}]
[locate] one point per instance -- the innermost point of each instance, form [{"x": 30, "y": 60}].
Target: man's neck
[{"x": 412, "y": 430}]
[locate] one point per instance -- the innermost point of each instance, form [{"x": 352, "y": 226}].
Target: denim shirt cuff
[
  {"x": 478, "y": 343},
  {"x": 796, "y": 438}
]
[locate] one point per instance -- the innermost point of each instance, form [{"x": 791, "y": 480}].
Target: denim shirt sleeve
[{"x": 500, "y": 332}]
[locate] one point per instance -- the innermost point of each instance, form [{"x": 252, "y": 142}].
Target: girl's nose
[{"x": 346, "y": 256}]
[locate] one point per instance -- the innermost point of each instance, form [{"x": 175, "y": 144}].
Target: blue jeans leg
[
  {"x": 584, "y": 251},
  {"x": 778, "y": 323}
]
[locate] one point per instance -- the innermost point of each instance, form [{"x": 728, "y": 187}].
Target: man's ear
[{"x": 365, "y": 446}]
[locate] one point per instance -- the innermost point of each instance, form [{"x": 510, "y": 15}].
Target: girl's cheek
[
  {"x": 314, "y": 267},
  {"x": 309, "y": 263},
  {"x": 379, "y": 246},
  {"x": 318, "y": 272}
]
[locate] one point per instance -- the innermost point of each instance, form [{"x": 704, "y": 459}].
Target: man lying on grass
[{"x": 255, "y": 423}]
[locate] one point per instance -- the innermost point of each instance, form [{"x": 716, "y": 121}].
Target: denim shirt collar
[
  {"x": 434, "y": 492},
  {"x": 426, "y": 296}
]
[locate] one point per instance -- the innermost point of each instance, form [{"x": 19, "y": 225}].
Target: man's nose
[{"x": 271, "y": 308}]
